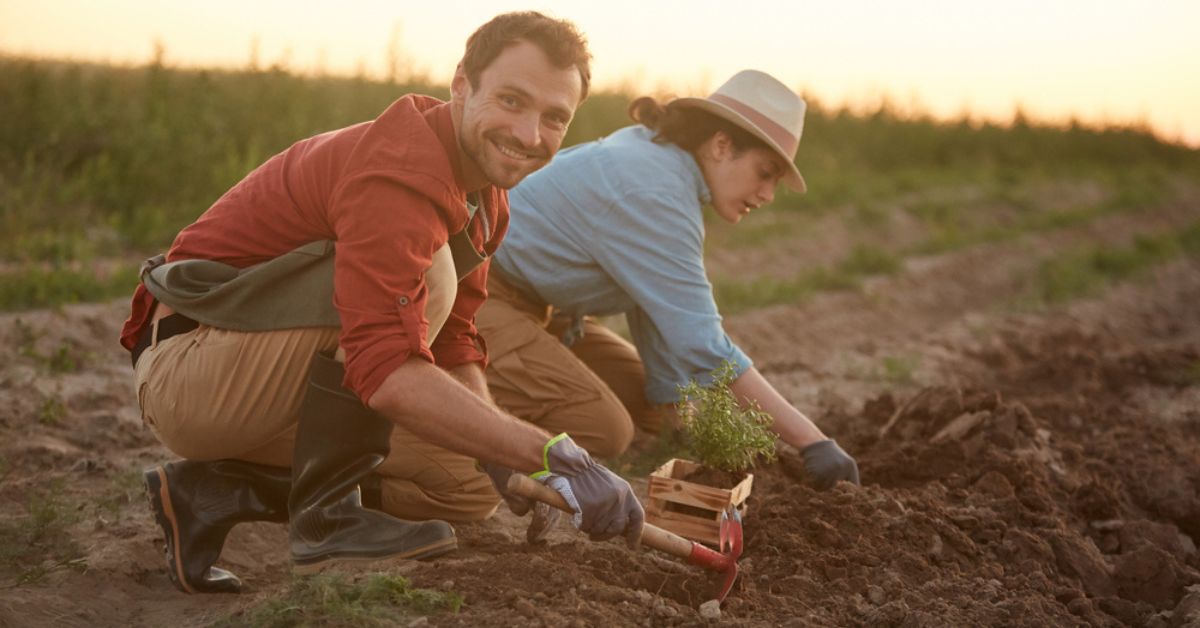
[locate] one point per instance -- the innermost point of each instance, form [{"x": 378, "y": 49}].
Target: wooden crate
[{"x": 702, "y": 505}]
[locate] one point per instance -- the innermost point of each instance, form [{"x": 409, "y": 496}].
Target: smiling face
[
  {"x": 739, "y": 180},
  {"x": 514, "y": 120}
]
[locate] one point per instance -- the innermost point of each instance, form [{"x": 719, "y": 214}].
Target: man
[{"x": 358, "y": 257}]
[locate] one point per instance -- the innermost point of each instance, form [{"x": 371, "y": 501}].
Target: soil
[
  {"x": 715, "y": 478},
  {"x": 1035, "y": 468}
]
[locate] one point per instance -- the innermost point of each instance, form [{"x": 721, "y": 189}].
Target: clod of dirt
[{"x": 710, "y": 610}]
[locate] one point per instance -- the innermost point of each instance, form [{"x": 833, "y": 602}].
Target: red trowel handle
[{"x": 652, "y": 536}]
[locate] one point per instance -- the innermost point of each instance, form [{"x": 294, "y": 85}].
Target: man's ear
[{"x": 459, "y": 84}]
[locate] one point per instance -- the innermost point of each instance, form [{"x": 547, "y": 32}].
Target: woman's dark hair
[
  {"x": 688, "y": 127},
  {"x": 559, "y": 39}
]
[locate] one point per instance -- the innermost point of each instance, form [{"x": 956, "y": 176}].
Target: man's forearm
[
  {"x": 428, "y": 402},
  {"x": 472, "y": 376}
]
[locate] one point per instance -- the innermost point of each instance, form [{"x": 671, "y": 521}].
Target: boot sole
[
  {"x": 159, "y": 495},
  {"x": 318, "y": 565}
]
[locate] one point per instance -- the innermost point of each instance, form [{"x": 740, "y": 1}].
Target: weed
[
  {"x": 722, "y": 434},
  {"x": 332, "y": 600},
  {"x": 124, "y": 488},
  {"x": 899, "y": 369},
  {"x": 34, "y": 545},
  {"x": 51, "y": 411}
]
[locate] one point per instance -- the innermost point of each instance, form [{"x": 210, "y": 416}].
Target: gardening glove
[
  {"x": 827, "y": 464},
  {"x": 544, "y": 516},
  {"x": 604, "y": 503}
]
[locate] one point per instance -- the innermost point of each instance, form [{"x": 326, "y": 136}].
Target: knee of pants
[
  {"x": 475, "y": 500},
  {"x": 603, "y": 428}
]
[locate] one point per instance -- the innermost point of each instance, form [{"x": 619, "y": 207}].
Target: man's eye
[{"x": 509, "y": 100}]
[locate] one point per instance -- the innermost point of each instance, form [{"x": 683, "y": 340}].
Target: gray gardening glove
[
  {"x": 827, "y": 464},
  {"x": 544, "y": 516},
  {"x": 606, "y": 503}
]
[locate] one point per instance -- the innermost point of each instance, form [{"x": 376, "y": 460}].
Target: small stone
[
  {"x": 935, "y": 548},
  {"x": 644, "y": 597},
  {"x": 446, "y": 585},
  {"x": 876, "y": 595},
  {"x": 420, "y": 621},
  {"x": 525, "y": 608},
  {"x": 711, "y": 610},
  {"x": 1107, "y": 525}
]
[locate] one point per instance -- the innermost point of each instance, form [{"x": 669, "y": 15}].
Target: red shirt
[{"x": 389, "y": 193}]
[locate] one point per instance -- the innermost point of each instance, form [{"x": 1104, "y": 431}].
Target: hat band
[{"x": 781, "y": 136}]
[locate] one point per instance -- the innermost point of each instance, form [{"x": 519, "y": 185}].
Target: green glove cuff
[{"x": 537, "y": 475}]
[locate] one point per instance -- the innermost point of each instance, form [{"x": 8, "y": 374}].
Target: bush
[{"x": 722, "y": 434}]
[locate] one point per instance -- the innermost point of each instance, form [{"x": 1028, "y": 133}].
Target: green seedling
[
  {"x": 51, "y": 411},
  {"x": 332, "y": 600},
  {"x": 899, "y": 369},
  {"x": 720, "y": 432}
]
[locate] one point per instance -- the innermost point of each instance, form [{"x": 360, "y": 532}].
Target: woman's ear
[{"x": 720, "y": 146}]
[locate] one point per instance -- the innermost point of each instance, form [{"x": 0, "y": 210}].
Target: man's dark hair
[
  {"x": 559, "y": 39},
  {"x": 688, "y": 127}
]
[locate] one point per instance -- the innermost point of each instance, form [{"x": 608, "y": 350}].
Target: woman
[{"x": 615, "y": 226}]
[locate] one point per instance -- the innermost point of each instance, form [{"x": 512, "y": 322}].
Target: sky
[{"x": 1101, "y": 61}]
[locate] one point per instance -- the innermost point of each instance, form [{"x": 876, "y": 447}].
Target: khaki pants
[
  {"x": 593, "y": 390},
  {"x": 213, "y": 393}
]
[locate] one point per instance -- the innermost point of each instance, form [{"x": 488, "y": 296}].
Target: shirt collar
[{"x": 442, "y": 124}]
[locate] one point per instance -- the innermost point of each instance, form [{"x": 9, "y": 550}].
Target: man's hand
[
  {"x": 827, "y": 464},
  {"x": 543, "y": 516},
  {"x": 606, "y": 501}
]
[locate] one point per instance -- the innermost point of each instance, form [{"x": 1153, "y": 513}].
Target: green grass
[
  {"x": 1087, "y": 271},
  {"x": 33, "y": 287},
  {"x": 333, "y": 600},
  {"x": 104, "y": 163},
  {"x": 36, "y": 543},
  {"x": 738, "y": 295}
]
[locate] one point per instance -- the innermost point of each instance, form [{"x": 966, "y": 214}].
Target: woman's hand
[{"x": 827, "y": 464}]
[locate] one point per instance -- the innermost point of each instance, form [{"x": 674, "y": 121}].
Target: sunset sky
[{"x": 1102, "y": 61}]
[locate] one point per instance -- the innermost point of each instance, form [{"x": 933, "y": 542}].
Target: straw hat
[{"x": 760, "y": 104}]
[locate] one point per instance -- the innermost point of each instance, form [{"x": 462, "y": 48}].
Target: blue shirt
[{"x": 615, "y": 226}]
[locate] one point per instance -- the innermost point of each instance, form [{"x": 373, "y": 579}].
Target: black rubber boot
[
  {"x": 339, "y": 441},
  {"x": 196, "y": 504}
]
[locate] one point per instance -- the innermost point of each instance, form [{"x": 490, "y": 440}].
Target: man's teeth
[{"x": 511, "y": 153}]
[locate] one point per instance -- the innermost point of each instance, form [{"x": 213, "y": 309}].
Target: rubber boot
[
  {"x": 339, "y": 441},
  {"x": 196, "y": 503}
]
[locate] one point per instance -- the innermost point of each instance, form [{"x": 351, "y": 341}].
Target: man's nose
[{"x": 527, "y": 131}]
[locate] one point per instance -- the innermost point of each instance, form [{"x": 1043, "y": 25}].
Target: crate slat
[{"x": 666, "y": 488}]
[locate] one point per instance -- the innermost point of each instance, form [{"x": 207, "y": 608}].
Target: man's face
[{"x": 514, "y": 121}]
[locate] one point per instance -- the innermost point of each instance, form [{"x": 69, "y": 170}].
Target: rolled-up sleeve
[
  {"x": 386, "y": 235},
  {"x": 653, "y": 249},
  {"x": 459, "y": 341}
]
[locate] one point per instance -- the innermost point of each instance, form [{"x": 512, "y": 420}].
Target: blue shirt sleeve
[{"x": 651, "y": 242}]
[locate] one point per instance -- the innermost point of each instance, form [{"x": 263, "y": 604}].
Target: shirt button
[{"x": 403, "y": 300}]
